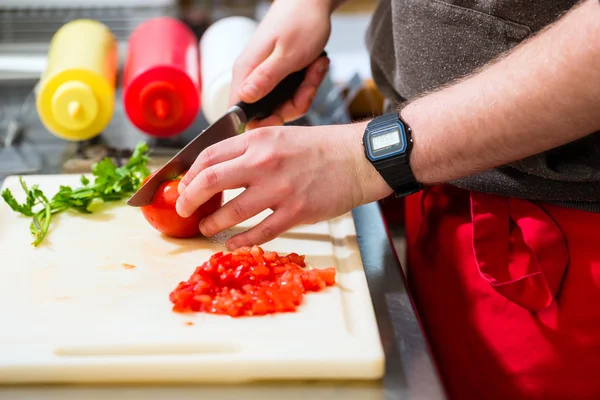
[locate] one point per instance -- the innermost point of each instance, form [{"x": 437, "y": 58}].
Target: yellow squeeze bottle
[{"x": 76, "y": 94}]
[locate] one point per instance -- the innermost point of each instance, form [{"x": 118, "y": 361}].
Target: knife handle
[{"x": 283, "y": 92}]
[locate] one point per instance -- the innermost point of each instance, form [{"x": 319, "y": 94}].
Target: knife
[{"x": 229, "y": 125}]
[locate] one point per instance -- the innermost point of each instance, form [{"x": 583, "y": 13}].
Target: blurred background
[{"x": 27, "y": 26}]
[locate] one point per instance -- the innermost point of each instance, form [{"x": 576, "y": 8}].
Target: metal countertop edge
[{"x": 411, "y": 372}]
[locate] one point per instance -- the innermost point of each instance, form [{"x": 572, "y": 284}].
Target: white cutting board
[{"x": 71, "y": 312}]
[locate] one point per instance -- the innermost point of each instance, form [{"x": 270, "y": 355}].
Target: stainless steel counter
[{"x": 410, "y": 369}]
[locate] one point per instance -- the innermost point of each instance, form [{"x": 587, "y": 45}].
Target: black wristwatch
[{"x": 388, "y": 143}]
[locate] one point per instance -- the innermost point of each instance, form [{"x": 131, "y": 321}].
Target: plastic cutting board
[{"x": 74, "y": 310}]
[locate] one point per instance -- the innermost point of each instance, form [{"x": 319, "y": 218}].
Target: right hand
[{"x": 291, "y": 36}]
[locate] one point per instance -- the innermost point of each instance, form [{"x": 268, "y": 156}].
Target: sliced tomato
[{"x": 249, "y": 281}]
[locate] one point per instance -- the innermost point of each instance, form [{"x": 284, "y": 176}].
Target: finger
[
  {"x": 266, "y": 76},
  {"x": 302, "y": 99},
  {"x": 215, "y": 154},
  {"x": 306, "y": 93},
  {"x": 299, "y": 105},
  {"x": 237, "y": 210},
  {"x": 272, "y": 226},
  {"x": 210, "y": 181},
  {"x": 273, "y": 120},
  {"x": 317, "y": 71},
  {"x": 251, "y": 58}
]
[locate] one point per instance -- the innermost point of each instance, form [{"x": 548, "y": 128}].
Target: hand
[
  {"x": 290, "y": 37},
  {"x": 303, "y": 174}
]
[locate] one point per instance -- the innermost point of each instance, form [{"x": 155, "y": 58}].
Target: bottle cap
[
  {"x": 160, "y": 104},
  {"x": 74, "y": 105}
]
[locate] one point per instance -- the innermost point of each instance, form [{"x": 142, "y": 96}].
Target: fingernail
[
  {"x": 202, "y": 228},
  {"x": 322, "y": 68},
  {"x": 250, "y": 90},
  {"x": 231, "y": 245}
]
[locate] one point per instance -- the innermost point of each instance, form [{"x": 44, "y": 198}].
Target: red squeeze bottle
[{"x": 161, "y": 79}]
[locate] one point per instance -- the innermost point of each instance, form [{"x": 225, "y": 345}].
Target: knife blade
[
  {"x": 225, "y": 127},
  {"x": 229, "y": 125}
]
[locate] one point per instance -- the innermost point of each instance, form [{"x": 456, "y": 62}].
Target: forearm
[{"x": 544, "y": 94}]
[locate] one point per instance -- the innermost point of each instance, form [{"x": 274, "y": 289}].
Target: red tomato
[
  {"x": 161, "y": 213},
  {"x": 249, "y": 281}
]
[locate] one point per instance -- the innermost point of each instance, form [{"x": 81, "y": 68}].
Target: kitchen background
[{"x": 26, "y": 27}]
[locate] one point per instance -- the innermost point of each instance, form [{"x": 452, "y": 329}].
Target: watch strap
[
  {"x": 384, "y": 120},
  {"x": 398, "y": 176}
]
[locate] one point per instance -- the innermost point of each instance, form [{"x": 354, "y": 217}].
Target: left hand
[{"x": 303, "y": 174}]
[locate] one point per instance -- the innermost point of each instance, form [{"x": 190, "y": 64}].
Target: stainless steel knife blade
[{"x": 226, "y": 127}]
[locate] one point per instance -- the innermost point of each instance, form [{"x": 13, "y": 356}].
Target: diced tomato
[
  {"x": 249, "y": 281},
  {"x": 312, "y": 281},
  {"x": 327, "y": 275},
  {"x": 260, "y": 270},
  {"x": 284, "y": 260},
  {"x": 297, "y": 259},
  {"x": 203, "y": 298},
  {"x": 256, "y": 252}
]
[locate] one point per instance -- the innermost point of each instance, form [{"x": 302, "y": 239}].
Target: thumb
[{"x": 266, "y": 76}]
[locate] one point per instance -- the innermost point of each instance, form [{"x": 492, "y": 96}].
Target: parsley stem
[{"x": 41, "y": 233}]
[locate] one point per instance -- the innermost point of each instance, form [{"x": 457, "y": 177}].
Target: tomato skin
[
  {"x": 249, "y": 281},
  {"x": 162, "y": 215}
]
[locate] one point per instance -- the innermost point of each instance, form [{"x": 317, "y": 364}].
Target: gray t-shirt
[{"x": 418, "y": 45}]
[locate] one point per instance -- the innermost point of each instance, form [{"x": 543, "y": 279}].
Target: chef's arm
[{"x": 541, "y": 95}]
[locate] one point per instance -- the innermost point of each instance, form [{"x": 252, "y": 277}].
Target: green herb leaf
[
  {"x": 110, "y": 184},
  {"x": 25, "y": 208}
]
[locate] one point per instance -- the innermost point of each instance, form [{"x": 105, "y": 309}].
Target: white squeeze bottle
[{"x": 220, "y": 45}]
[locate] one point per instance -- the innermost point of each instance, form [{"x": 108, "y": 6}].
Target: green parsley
[{"x": 111, "y": 183}]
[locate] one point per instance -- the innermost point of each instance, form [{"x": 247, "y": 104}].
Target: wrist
[
  {"x": 372, "y": 185},
  {"x": 419, "y": 127}
]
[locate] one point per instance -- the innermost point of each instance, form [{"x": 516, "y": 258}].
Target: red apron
[{"x": 508, "y": 292}]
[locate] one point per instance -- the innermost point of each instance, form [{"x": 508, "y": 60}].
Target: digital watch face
[{"x": 387, "y": 141}]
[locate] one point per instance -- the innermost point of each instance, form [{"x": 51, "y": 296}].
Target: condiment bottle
[
  {"x": 76, "y": 93},
  {"x": 220, "y": 45},
  {"x": 161, "y": 81}
]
